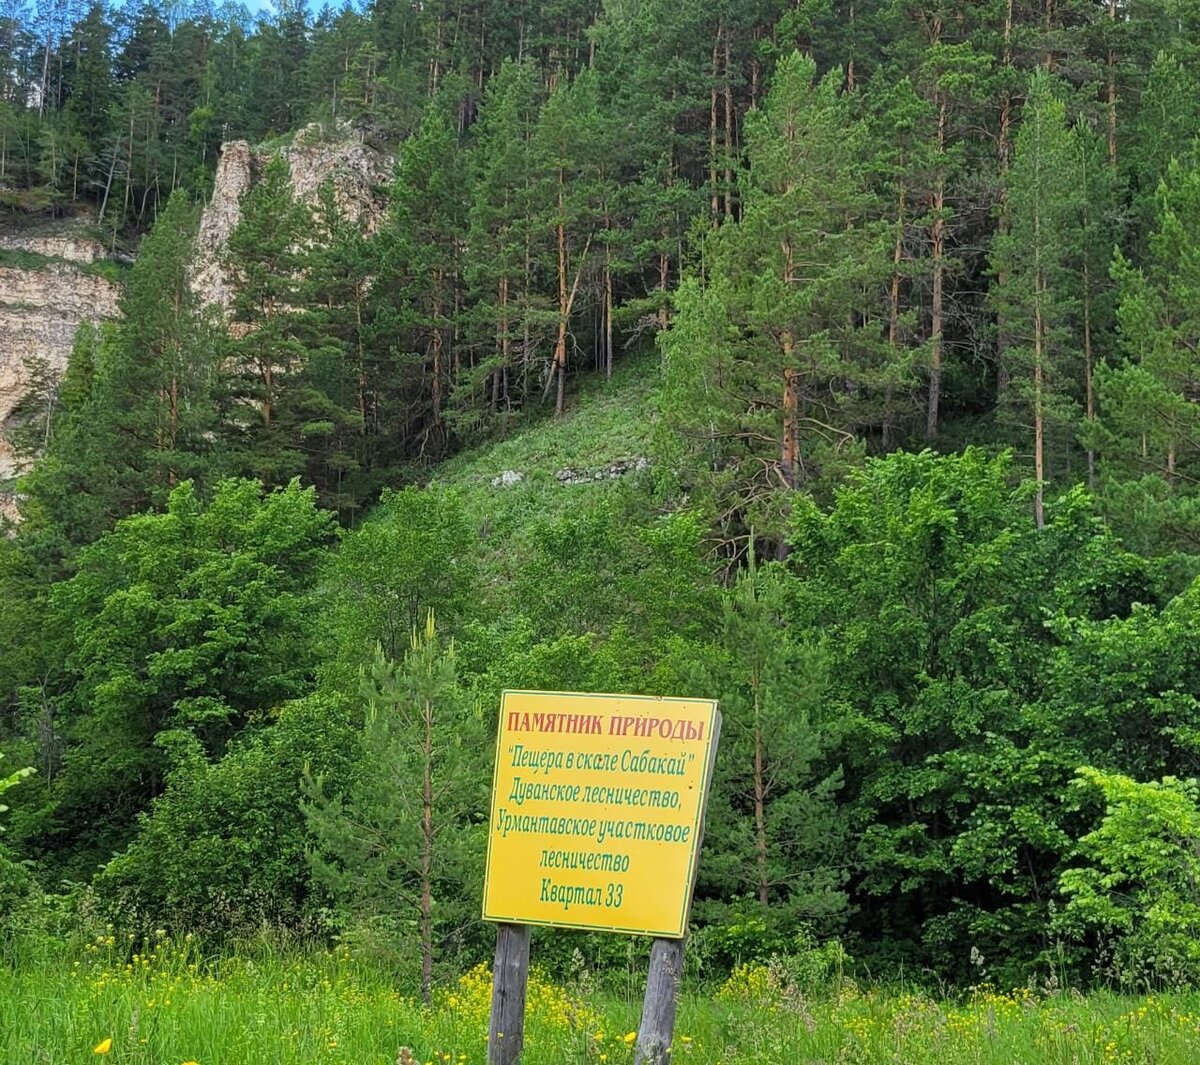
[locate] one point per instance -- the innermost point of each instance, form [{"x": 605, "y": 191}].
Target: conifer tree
[
  {"x": 135, "y": 412},
  {"x": 341, "y": 379},
  {"x": 1149, "y": 420},
  {"x": 404, "y": 831},
  {"x": 418, "y": 290},
  {"x": 774, "y": 359},
  {"x": 567, "y": 146},
  {"x": 774, "y": 827},
  {"x": 1166, "y": 128},
  {"x": 262, "y": 261},
  {"x": 500, "y": 266},
  {"x": 1032, "y": 257}
]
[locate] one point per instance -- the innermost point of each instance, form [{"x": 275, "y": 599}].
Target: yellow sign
[{"x": 597, "y": 810}]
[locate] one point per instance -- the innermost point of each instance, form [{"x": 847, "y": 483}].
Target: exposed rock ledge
[{"x": 41, "y": 307}]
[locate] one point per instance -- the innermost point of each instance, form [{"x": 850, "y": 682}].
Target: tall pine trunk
[
  {"x": 1111, "y": 64},
  {"x": 936, "y": 324},
  {"x": 760, "y": 796},
  {"x": 427, "y": 857}
]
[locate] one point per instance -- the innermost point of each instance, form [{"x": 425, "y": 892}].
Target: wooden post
[
  {"x": 510, "y": 973},
  {"x": 658, "y": 1009}
]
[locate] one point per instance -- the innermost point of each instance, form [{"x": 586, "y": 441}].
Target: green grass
[
  {"x": 20, "y": 259},
  {"x": 165, "y": 1004},
  {"x": 606, "y": 422}
]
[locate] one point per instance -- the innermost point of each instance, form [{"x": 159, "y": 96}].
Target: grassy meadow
[{"x": 163, "y": 1003}]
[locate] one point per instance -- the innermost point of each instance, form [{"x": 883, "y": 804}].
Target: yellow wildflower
[{"x": 103, "y": 1047}]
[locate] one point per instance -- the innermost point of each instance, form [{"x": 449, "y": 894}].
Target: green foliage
[
  {"x": 185, "y": 626},
  {"x": 774, "y": 832},
  {"x": 265, "y": 401},
  {"x": 222, "y": 852},
  {"x": 768, "y": 359},
  {"x": 15, "y": 880},
  {"x": 1138, "y": 891},
  {"x": 133, "y": 415},
  {"x": 398, "y": 838},
  {"x": 934, "y": 592},
  {"x": 1148, "y": 424},
  {"x": 1032, "y": 258},
  {"x": 11, "y": 781},
  {"x": 413, "y": 556},
  {"x": 848, "y": 229}
]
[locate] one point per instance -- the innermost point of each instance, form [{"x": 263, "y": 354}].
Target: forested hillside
[{"x": 837, "y": 360}]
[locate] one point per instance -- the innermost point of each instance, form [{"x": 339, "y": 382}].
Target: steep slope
[{"x": 556, "y": 464}]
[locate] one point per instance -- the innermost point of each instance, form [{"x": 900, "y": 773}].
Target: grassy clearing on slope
[
  {"x": 606, "y": 423},
  {"x": 161, "y": 1002}
]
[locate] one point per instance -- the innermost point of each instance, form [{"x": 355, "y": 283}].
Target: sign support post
[
  {"x": 658, "y": 1008},
  {"x": 510, "y": 974}
]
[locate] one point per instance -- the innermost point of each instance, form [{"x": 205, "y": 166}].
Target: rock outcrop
[
  {"x": 45, "y": 295},
  {"x": 50, "y": 284},
  {"x": 359, "y": 174}
]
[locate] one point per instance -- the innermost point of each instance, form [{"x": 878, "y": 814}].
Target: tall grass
[{"x": 161, "y": 1002}]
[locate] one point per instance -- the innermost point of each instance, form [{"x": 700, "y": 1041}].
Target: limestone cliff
[
  {"x": 359, "y": 174},
  {"x": 50, "y": 282},
  {"x": 46, "y": 291}
]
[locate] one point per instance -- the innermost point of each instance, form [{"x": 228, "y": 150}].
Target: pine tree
[
  {"x": 418, "y": 288},
  {"x": 567, "y": 147},
  {"x": 262, "y": 261},
  {"x": 1032, "y": 258},
  {"x": 340, "y": 381},
  {"x": 1149, "y": 421},
  {"x": 773, "y": 364},
  {"x": 1166, "y": 128},
  {"x": 135, "y": 412},
  {"x": 775, "y": 834},
  {"x": 404, "y": 830},
  {"x": 499, "y": 268}
]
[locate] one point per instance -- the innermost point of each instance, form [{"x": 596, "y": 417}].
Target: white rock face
[
  {"x": 72, "y": 248},
  {"x": 42, "y": 306},
  {"x": 40, "y": 310},
  {"x": 359, "y": 174}
]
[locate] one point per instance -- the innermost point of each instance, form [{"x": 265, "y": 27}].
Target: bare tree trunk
[
  {"x": 608, "y": 317},
  {"x": 789, "y": 444},
  {"x": 1039, "y": 420},
  {"x": 435, "y": 344},
  {"x": 505, "y": 342},
  {"x": 560, "y": 342},
  {"x": 112, "y": 169},
  {"x": 128, "y": 172},
  {"x": 268, "y": 392},
  {"x": 45, "y": 77},
  {"x": 714, "y": 199},
  {"x": 362, "y": 369},
  {"x": 728, "y": 132},
  {"x": 1112, "y": 91},
  {"x": 1088, "y": 387},
  {"x": 427, "y": 858},
  {"x": 936, "y": 307},
  {"x": 894, "y": 308},
  {"x": 664, "y": 276},
  {"x": 760, "y": 817},
  {"x": 1004, "y": 153},
  {"x": 1047, "y": 22},
  {"x": 850, "y": 57}
]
